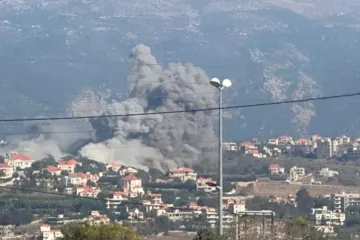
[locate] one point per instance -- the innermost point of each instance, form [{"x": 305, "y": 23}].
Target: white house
[
  {"x": 48, "y": 234},
  {"x": 18, "y": 160}
]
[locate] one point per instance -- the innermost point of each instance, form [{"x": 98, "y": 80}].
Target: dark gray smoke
[{"x": 167, "y": 140}]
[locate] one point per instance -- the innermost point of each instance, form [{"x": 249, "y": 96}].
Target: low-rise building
[
  {"x": 55, "y": 171},
  {"x": 296, "y": 173},
  {"x": 18, "y": 160},
  {"x": 202, "y": 186},
  {"x": 276, "y": 169},
  {"x": 7, "y": 170},
  {"x": 68, "y": 165},
  {"x": 132, "y": 183},
  {"x": 96, "y": 218},
  {"x": 326, "y": 172},
  {"x": 324, "y": 216},
  {"x": 183, "y": 174},
  {"x": 48, "y": 234},
  {"x": 78, "y": 179}
]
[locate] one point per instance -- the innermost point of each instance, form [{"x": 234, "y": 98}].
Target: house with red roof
[
  {"x": 7, "y": 170},
  {"x": 78, "y": 179},
  {"x": 114, "y": 166},
  {"x": 283, "y": 140},
  {"x": 202, "y": 186},
  {"x": 96, "y": 218},
  {"x": 55, "y": 171},
  {"x": 276, "y": 169},
  {"x": 183, "y": 174},
  {"x": 86, "y": 191},
  {"x": 18, "y": 160},
  {"x": 68, "y": 165},
  {"x": 132, "y": 183}
]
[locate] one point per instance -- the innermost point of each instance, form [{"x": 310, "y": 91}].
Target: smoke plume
[{"x": 159, "y": 140}]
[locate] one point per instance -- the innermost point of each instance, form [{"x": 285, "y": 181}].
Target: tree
[
  {"x": 90, "y": 183},
  {"x": 207, "y": 234},
  {"x": 162, "y": 224},
  {"x": 64, "y": 173},
  {"x": 98, "y": 232},
  {"x": 155, "y": 173},
  {"x": 304, "y": 201}
]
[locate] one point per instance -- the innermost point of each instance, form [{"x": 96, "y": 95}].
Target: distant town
[{"x": 182, "y": 199}]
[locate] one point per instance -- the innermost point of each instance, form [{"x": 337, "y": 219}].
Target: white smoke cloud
[{"x": 167, "y": 140}]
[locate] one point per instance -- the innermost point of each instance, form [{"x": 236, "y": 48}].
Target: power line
[{"x": 182, "y": 111}]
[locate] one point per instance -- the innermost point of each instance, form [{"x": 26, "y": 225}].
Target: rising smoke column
[
  {"x": 167, "y": 140},
  {"x": 162, "y": 141}
]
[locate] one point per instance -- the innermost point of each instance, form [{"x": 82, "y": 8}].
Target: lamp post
[{"x": 220, "y": 86}]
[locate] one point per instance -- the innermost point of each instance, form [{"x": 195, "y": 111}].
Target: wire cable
[{"x": 183, "y": 111}]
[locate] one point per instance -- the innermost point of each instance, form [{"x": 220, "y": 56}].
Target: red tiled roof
[
  {"x": 114, "y": 164},
  {"x": 20, "y": 156},
  {"x": 69, "y": 162},
  {"x": 274, "y": 166},
  {"x": 247, "y": 143},
  {"x": 4, "y": 165},
  {"x": 51, "y": 169},
  {"x": 302, "y": 140},
  {"x": 129, "y": 178},
  {"x": 78, "y": 175},
  {"x": 181, "y": 170}
]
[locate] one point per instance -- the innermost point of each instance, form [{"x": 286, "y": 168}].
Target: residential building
[
  {"x": 326, "y": 172},
  {"x": 324, "y": 216},
  {"x": 202, "y": 186},
  {"x": 114, "y": 166},
  {"x": 183, "y": 174},
  {"x": 55, "y": 171},
  {"x": 132, "y": 183},
  {"x": 273, "y": 141},
  {"x": 175, "y": 214},
  {"x": 212, "y": 216},
  {"x": 324, "y": 148},
  {"x": 7, "y": 170},
  {"x": 230, "y": 146},
  {"x": 284, "y": 140},
  {"x": 127, "y": 171},
  {"x": 96, "y": 218},
  {"x": 68, "y": 165},
  {"x": 116, "y": 200},
  {"x": 78, "y": 179},
  {"x": 48, "y": 234},
  {"x": 325, "y": 229},
  {"x": 344, "y": 200},
  {"x": 315, "y": 137},
  {"x": 86, "y": 191},
  {"x": 136, "y": 214},
  {"x": 302, "y": 147},
  {"x": 236, "y": 208},
  {"x": 18, "y": 160},
  {"x": 296, "y": 173},
  {"x": 276, "y": 169},
  {"x": 249, "y": 148}
]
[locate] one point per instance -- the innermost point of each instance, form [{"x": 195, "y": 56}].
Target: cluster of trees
[
  {"x": 286, "y": 210},
  {"x": 293, "y": 229}
]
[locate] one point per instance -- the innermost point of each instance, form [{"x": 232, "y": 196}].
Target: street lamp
[{"x": 220, "y": 86}]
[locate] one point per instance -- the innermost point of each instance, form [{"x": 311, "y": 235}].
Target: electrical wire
[{"x": 182, "y": 111}]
